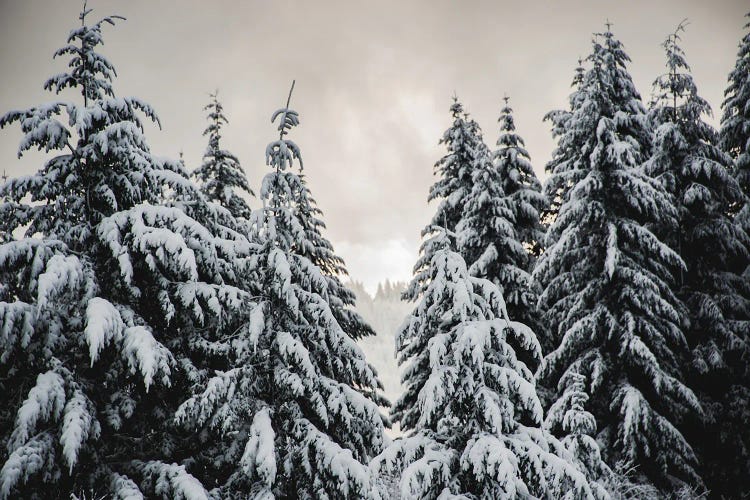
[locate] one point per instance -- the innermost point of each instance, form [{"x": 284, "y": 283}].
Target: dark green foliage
[{"x": 607, "y": 279}]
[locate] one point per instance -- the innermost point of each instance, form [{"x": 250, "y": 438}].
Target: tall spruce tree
[
  {"x": 735, "y": 123},
  {"x": 511, "y": 170},
  {"x": 298, "y": 410},
  {"x": 607, "y": 280},
  {"x": 567, "y": 153},
  {"x": 454, "y": 171},
  {"x": 319, "y": 250},
  {"x": 470, "y": 408},
  {"x": 221, "y": 175},
  {"x": 569, "y": 417},
  {"x": 100, "y": 281},
  {"x": 698, "y": 175},
  {"x": 489, "y": 243},
  {"x": 520, "y": 185}
]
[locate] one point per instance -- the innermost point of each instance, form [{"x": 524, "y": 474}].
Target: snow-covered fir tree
[
  {"x": 735, "y": 120},
  {"x": 298, "y": 411},
  {"x": 520, "y": 185},
  {"x": 489, "y": 243},
  {"x": 319, "y": 250},
  {"x": 567, "y": 152},
  {"x": 100, "y": 282},
  {"x": 607, "y": 280},
  {"x": 470, "y": 408},
  {"x": 568, "y": 416},
  {"x": 698, "y": 175},
  {"x": 220, "y": 175},
  {"x": 454, "y": 170},
  {"x": 504, "y": 210}
]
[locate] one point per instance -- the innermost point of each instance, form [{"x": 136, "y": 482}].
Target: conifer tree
[
  {"x": 735, "y": 124},
  {"x": 501, "y": 228},
  {"x": 470, "y": 408},
  {"x": 520, "y": 184},
  {"x": 319, "y": 250},
  {"x": 698, "y": 175},
  {"x": 568, "y": 416},
  {"x": 99, "y": 280},
  {"x": 297, "y": 412},
  {"x": 220, "y": 175},
  {"x": 568, "y": 150},
  {"x": 454, "y": 171},
  {"x": 735, "y": 132},
  {"x": 607, "y": 280},
  {"x": 489, "y": 243}
]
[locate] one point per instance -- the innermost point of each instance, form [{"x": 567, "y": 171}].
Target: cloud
[{"x": 374, "y": 83}]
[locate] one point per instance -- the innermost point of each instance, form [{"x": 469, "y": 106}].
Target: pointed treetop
[
  {"x": 286, "y": 122},
  {"x": 675, "y": 96},
  {"x": 506, "y": 118},
  {"x": 88, "y": 69},
  {"x": 675, "y": 54},
  {"x": 215, "y": 116},
  {"x": 84, "y": 12},
  {"x": 281, "y": 153},
  {"x": 457, "y": 109}
]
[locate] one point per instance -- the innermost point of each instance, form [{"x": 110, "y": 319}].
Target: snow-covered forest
[{"x": 171, "y": 330}]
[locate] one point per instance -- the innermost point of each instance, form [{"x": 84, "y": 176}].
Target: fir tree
[
  {"x": 607, "y": 280},
  {"x": 697, "y": 173},
  {"x": 454, "y": 171},
  {"x": 735, "y": 124},
  {"x": 99, "y": 279},
  {"x": 297, "y": 412},
  {"x": 319, "y": 250},
  {"x": 511, "y": 179},
  {"x": 569, "y": 417},
  {"x": 521, "y": 186},
  {"x": 567, "y": 153},
  {"x": 488, "y": 241},
  {"x": 220, "y": 175},
  {"x": 470, "y": 408}
]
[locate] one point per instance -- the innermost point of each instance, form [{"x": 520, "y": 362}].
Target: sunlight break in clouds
[{"x": 373, "y": 264}]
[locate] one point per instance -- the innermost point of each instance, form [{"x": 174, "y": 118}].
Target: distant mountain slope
[{"x": 385, "y": 313}]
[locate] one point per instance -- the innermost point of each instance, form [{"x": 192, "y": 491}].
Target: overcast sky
[{"x": 374, "y": 83}]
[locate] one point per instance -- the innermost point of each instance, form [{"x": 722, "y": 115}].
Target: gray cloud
[{"x": 374, "y": 81}]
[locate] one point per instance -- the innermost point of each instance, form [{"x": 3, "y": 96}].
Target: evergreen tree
[
  {"x": 100, "y": 281},
  {"x": 501, "y": 226},
  {"x": 319, "y": 250},
  {"x": 697, "y": 174},
  {"x": 569, "y": 416},
  {"x": 297, "y": 412},
  {"x": 470, "y": 408},
  {"x": 735, "y": 124},
  {"x": 607, "y": 280},
  {"x": 454, "y": 171},
  {"x": 488, "y": 241},
  {"x": 566, "y": 156},
  {"x": 521, "y": 186},
  {"x": 220, "y": 175}
]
